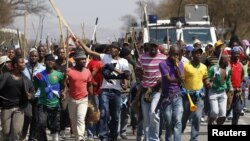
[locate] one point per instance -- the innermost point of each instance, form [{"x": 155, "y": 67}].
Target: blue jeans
[
  {"x": 124, "y": 117},
  {"x": 162, "y": 123},
  {"x": 110, "y": 108},
  {"x": 194, "y": 116},
  {"x": 244, "y": 85},
  {"x": 173, "y": 115},
  {"x": 151, "y": 120}
]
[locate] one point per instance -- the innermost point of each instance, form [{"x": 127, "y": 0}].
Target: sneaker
[
  {"x": 133, "y": 131},
  {"x": 242, "y": 113},
  {"x": 202, "y": 119},
  {"x": 139, "y": 138},
  {"x": 247, "y": 111},
  {"x": 123, "y": 136},
  {"x": 62, "y": 134},
  {"x": 55, "y": 137}
]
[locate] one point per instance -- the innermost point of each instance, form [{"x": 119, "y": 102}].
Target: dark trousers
[
  {"x": 27, "y": 120},
  {"x": 133, "y": 119},
  {"x": 33, "y": 124},
  {"x": 47, "y": 116},
  {"x": 195, "y": 116},
  {"x": 236, "y": 107},
  {"x": 65, "y": 121}
]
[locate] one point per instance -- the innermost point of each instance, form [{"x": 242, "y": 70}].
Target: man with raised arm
[{"x": 110, "y": 97}]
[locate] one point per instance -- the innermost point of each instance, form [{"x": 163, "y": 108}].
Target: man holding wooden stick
[{"x": 110, "y": 97}]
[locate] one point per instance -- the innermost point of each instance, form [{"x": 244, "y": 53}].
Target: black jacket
[{"x": 9, "y": 103}]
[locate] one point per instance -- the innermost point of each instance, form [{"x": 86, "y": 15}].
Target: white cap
[
  {"x": 4, "y": 59},
  {"x": 32, "y": 49},
  {"x": 197, "y": 41},
  {"x": 210, "y": 43}
]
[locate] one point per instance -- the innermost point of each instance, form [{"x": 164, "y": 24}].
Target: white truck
[{"x": 195, "y": 25}]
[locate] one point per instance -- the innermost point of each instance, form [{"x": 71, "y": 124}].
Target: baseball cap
[
  {"x": 115, "y": 45},
  {"x": 189, "y": 48},
  {"x": 49, "y": 57},
  {"x": 245, "y": 43},
  {"x": 125, "y": 51},
  {"x": 197, "y": 50},
  {"x": 218, "y": 43},
  {"x": 154, "y": 43}
]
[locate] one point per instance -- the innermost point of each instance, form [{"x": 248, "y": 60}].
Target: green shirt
[
  {"x": 54, "y": 78},
  {"x": 217, "y": 85},
  {"x": 245, "y": 68}
]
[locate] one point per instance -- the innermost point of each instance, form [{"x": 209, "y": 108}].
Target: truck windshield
[
  {"x": 158, "y": 34},
  {"x": 203, "y": 35}
]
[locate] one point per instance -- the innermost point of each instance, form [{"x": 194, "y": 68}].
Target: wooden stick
[
  {"x": 36, "y": 32},
  {"x": 61, "y": 35},
  {"x": 41, "y": 32},
  {"x": 83, "y": 34},
  {"x": 67, "y": 51},
  {"x": 61, "y": 17},
  {"x": 24, "y": 40},
  {"x": 19, "y": 40},
  {"x": 223, "y": 28}
]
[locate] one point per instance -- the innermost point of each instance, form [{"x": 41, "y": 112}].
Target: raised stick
[{"x": 61, "y": 17}]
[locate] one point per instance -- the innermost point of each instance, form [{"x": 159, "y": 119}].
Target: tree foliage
[
  {"x": 5, "y": 13},
  {"x": 10, "y": 9},
  {"x": 20, "y": 7},
  {"x": 234, "y": 12}
]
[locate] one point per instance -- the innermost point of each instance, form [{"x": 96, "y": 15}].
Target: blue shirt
[
  {"x": 28, "y": 72},
  {"x": 170, "y": 89}
]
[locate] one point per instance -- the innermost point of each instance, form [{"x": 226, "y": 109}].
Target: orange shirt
[{"x": 78, "y": 82}]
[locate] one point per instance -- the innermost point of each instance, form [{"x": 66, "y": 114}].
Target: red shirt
[
  {"x": 78, "y": 82},
  {"x": 96, "y": 65},
  {"x": 236, "y": 74}
]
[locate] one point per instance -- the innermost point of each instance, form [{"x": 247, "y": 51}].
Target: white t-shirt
[{"x": 121, "y": 65}]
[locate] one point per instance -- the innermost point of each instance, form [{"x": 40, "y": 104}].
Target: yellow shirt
[{"x": 193, "y": 76}]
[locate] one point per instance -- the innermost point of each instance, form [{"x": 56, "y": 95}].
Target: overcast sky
[
  {"x": 109, "y": 12},
  {"x": 76, "y": 12}
]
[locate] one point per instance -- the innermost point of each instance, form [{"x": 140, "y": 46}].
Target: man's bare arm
[{"x": 88, "y": 50}]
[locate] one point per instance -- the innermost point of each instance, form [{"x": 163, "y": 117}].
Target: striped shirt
[
  {"x": 150, "y": 67},
  {"x": 211, "y": 60}
]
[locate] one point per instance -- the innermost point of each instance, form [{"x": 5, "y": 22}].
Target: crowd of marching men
[{"x": 158, "y": 87}]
